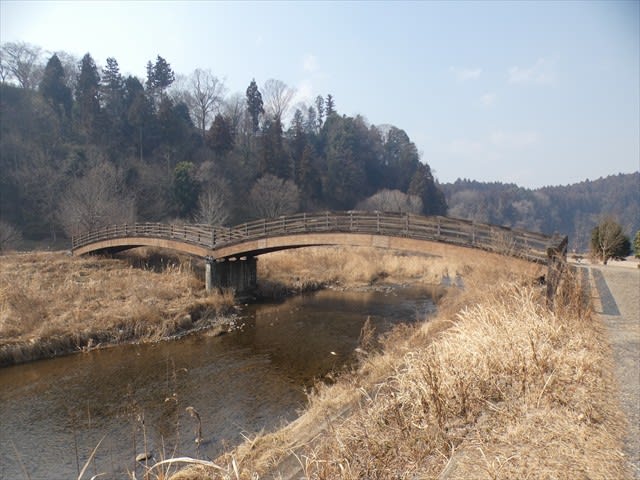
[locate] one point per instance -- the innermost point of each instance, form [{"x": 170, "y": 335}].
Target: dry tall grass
[
  {"x": 356, "y": 266},
  {"x": 52, "y": 304},
  {"x": 496, "y": 387}
]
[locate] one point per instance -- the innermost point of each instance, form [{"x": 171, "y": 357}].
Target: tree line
[
  {"x": 83, "y": 146},
  {"x": 572, "y": 210}
]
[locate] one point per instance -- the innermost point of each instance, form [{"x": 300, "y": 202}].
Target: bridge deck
[{"x": 327, "y": 228}]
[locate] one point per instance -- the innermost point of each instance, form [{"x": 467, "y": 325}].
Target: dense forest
[
  {"x": 83, "y": 146},
  {"x": 572, "y": 210}
]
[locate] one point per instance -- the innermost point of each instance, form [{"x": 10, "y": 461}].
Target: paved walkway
[{"x": 619, "y": 291}]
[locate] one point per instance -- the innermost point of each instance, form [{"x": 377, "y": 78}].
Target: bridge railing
[{"x": 519, "y": 243}]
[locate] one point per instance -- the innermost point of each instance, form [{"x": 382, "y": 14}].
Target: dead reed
[
  {"x": 496, "y": 387},
  {"x": 52, "y": 304}
]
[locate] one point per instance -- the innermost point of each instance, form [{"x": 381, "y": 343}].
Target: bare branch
[{"x": 277, "y": 97}]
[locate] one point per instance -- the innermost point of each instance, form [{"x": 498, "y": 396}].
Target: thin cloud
[
  {"x": 540, "y": 73},
  {"x": 464, "y": 74},
  {"x": 310, "y": 63},
  {"x": 488, "y": 99}
]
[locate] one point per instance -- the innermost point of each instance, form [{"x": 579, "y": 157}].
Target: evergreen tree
[
  {"x": 422, "y": 185},
  {"x": 330, "y": 106},
  {"x": 400, "y": 159},
  {"x": 345, "y": 181},
  {"x": 54, "y": 89},
  {"x": 308, "y": 178},
  {"x": 139, "y": 112},
  {"x": 320, "y": 110},
  {"x": 159, "y": 77},
  {"x": 113, "y": 89},
  {"x": 273, "y": 158},
  {"x": 219, "y": 137},
  {"x": 186, "y": 189},
  {"x": 87, "y": 96},
  {"x": 609, "y": 241},
  {"x": 255, "y": 106},
  {"x": 312, "y": 121}
]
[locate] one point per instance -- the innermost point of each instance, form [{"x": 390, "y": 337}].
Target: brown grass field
[
  {"x": 52, "y": 304},
  {"x": 496, "y": 386}
]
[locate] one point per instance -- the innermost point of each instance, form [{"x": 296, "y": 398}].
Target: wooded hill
[
  {"x": 82, "y": 146},
  {"x": 572, "y": 210}
]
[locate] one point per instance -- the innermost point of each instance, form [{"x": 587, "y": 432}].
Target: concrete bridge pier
[{"x": 240, "y": 274}]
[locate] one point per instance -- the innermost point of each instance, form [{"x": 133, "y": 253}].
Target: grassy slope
[{"x": 497, "y": 386}]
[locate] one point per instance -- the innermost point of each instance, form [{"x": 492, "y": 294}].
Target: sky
[{"x": 533, "y": 93}]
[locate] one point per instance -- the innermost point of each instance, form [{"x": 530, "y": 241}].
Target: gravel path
[{"x": 619, "y": 291}]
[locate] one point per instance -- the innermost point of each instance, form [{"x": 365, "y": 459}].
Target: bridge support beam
[{"x": 239, "y": 274}]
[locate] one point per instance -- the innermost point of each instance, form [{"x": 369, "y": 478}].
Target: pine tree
[
  {"x": 330, "y": 106},
  {"x": 54, "y": 89},
  {"x": 255, "y": 106},
  {"x": 423, "y": 185},
  {"x": 87, "y": 96},
  {"x": 112, "y": 89},
  {"x": 159, "y": 77}
]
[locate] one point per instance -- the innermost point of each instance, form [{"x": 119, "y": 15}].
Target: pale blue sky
[{"x": 536, "y": 93}]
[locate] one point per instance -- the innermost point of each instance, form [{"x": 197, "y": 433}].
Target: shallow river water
[{"x": 133, "y": 398}]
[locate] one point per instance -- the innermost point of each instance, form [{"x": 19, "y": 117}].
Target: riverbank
[
  {"x": 496, "y": 386},
  {"x": 53, "y": 304}
]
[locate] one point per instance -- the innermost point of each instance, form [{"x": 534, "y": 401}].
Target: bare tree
[
  {"x": 205, "y": 95},
  {"x": 212, "y": 209},
  {"x": 71, "y": 66},
  {"x": 234, "y": 110},
  {"x": 272, "y": 197},
  {"x": 277, "y": 97},
  {"x": 392, "y": 201},
  {"x": 10, "y": 237},
  {"x": 22, "y": 62},
  {"x": 96, "y": 200}
]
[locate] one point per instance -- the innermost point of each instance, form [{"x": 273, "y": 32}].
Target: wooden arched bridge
[{"x": 231, "y": 251}]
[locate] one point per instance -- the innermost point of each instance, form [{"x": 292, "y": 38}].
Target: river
[{"x": 133, "y": 398}]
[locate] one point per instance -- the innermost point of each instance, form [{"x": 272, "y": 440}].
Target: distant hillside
[{"x": 572, "y": 210}]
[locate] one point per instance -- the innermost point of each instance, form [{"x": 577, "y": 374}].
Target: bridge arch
[{"x": 231, "y": 252}]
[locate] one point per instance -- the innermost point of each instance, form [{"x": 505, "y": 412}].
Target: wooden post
[
  {"x": 556, "y": 261},
  {"x": 208, "y": 275}
]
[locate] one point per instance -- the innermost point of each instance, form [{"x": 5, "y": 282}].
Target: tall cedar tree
[
  {"x": 159, "y": 77},
  {"x": 330, "y": 106},
  {"x": 113, "y": 90},
  {"x": 54, "y": 89},
  {"x": 87, "y": 97},
  {"x": 255, "y": 106},
  {"x": 274, "y": 159}
]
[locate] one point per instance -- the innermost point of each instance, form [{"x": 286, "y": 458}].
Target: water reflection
[{"x": 243, "y": 382}]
